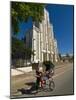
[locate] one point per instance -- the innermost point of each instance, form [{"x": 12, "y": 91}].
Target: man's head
[{"x": 37, "y": 69}]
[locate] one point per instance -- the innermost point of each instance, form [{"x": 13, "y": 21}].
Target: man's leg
[{"x": 37, "y": 84}]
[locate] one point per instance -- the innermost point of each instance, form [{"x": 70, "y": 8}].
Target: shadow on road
[
  {"x": 32, "y": 90},
  {"x": 24, "y": 91}
]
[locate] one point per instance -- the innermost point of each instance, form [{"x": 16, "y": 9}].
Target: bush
[{"x": 48, "y": 65}]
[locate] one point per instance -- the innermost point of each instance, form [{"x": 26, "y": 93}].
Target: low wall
[{"x": 19, "y": 71}]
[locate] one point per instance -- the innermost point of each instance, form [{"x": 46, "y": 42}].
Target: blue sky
[{"x": 61, "y": 16}]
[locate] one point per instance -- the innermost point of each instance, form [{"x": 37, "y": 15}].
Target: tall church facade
[{"x": 41, "y": 40}]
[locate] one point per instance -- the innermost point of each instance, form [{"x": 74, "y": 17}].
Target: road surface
[{"x": 63, "y": 79}]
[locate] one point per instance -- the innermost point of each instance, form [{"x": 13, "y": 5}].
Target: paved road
[{"x": 63, "y": 79}]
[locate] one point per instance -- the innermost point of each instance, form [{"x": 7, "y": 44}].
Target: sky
[{"x": 61, "y": 16}]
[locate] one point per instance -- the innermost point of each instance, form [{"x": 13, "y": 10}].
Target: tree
[
  {"x": 20, "y": 52},
  {"x": 60, "y": 57},
  {"x": 67, "y": 55},
  {"x": 21, "y": 12},
  {"x": 18, "y": 49}
]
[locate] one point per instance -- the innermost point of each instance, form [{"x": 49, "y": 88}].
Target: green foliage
[
  {"x": 21, "y": 12},
  {"x": 19, "y": 49},
  {"x": 60, "y": 57},
  {"x": 69, "y": 58},
  {"x": 67, "y": 55}
]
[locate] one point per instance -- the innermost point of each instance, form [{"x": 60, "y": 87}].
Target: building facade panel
[{"x": 43, "y": 42}]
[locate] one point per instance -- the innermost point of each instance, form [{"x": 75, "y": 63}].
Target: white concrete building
[{"x": 41, "y": 40}]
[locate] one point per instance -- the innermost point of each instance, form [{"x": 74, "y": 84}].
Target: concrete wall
[{"x": 19, "y": 71}]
